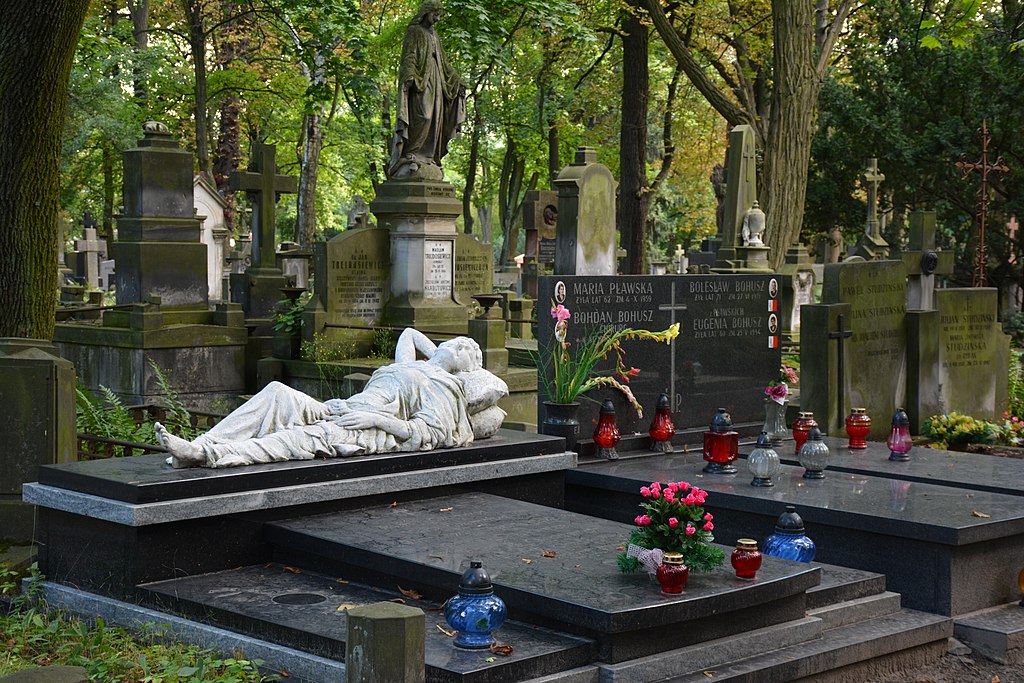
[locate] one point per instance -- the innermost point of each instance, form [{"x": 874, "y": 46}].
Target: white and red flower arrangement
[
  {"x": 778, "y": 389},
  {"x": 673, "y": 520}
]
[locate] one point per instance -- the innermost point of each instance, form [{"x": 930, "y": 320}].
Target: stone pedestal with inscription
[{"x": 420, "y": 217}]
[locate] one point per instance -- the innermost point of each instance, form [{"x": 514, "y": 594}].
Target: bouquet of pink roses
[
  {"x": 674, "y": 519},
  {"x": 778, "y": 389}
]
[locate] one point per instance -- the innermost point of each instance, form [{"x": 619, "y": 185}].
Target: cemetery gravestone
[
  {"x": 973, "y": 353},
  {"x": 89, "y": 250},
  {"x": 258, "y": 289},
  {"x": 871, "y": 297},
  {"x": 474, "y": 268},
  {"x": 158, "y": 251},
  {"x": 740, "y": 195},
  {"x": 210, "y": 206},
  {"x": 586, "y": 236},
  {"x": 726, "y": 353},
  {"x": 871, "y": 245},
  {"x": 540, "y": 221}
]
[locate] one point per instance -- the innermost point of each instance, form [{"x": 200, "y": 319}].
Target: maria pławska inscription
[{"x": 723, "y": 357}]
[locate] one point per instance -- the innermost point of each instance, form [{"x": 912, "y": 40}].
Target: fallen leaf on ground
[
  {"x": 410, "y": 593},
  {"x": 395, "y": 504},
  {"x": 284, "y": 674},
  {"x": 975, "y": 513},
  {"x": 400, "y": 601},
  {"x": 504, "y": 650},
  {"x": 621, "y": 548},
  {"x": 489, "y": 660},
  {"x": 346, "y": 606},
  {"x": 341, "y": 581},
  {"x": 549, "y": 553},
  {"x": 446, "y": 509},
  {"x": 293, "y": 570},
  {"x": 995, "y": 679},
  {"x": 709, "y": 674},
  {"x": 442, "y": 629},
  {"x": 526, "y": 560}
]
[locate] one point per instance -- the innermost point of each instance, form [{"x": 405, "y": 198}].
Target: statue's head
[
  {"x": 429, "y": 7},
  {"x": 460, "y": 354}
]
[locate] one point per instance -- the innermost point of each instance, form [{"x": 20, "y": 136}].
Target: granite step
[
  {"x": 307, "y": 612},
  {"x": 856, "y": 610},
  {"x": 857, "y": 652},
  {"x": 996, "y": 633},
  {"x": 553, "y": 568}
]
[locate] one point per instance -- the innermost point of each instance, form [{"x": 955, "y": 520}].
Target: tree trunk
[
  {"x": 107, "y": 228},
  {"x": 139, "y": 12},
  {"x": 474, "y": 162},
  {"x": 197, "y": 45},
  {"x": 37, "y": 45},
  {"x": 791, "y": 128},
  {"x": 305, "y": 217},
  {"x": 632, "y": 213}
]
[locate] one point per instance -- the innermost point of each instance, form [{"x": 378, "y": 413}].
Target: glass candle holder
[
  {"x": 763, "y": 462},
  {"x": 672, "y": 573},
  {"x": 858, "y": 425},
  {"x": 814, "y": 455},
  {"x": 899, "y": 442},
  {"x": 606, "y": 435},
  {"x": 721, "y": 444},
  {"x": 476, "y": 612},
  {"x": 662, "y": 430},
  {"x": 789, "y": 540},
  {"x": 746, "y": 558},
  {"x": 802, "y": 426}
]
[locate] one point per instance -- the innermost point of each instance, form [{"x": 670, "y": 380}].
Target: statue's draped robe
[
  {"x": 280, "y": 423},
  {"x": 431, "y": 102}
]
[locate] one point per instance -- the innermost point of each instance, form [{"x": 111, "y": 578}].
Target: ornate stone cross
[
  {"x": 263, "y": 186},
  {"x": 872, "y": 178}
]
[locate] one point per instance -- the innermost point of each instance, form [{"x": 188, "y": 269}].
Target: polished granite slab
[
  {"x": 148, "y": 479},
  {"x": 974, "y": 471},
  {"x": 308, "y": 611},
  {"x": 946, "y": 550},
  {"x": 927, "y": 512},
  {"x": 555, "y": 565}
]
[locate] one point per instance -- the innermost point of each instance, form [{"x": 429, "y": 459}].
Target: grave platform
[
  {"x": 138, "y": 520},
  {"x": 946, "y": 550}
]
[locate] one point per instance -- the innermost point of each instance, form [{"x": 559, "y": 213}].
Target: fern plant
[
  {"x": 106, "y": 416},
  {"x": 178, "y": 419}
]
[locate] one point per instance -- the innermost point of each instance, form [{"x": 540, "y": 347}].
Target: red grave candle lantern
[
  {"x": 606, "y": 436},
  {"x": 746, "y": 558},
  {"x": 662, "y": 430},
  {"x": 721, "y": 444},
  {"x": 801, "y": 428},
  {"x": 858, "y": 425}
]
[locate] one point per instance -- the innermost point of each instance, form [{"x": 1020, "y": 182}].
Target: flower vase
[
  {"x": 775, "y": 421},
  {"x": 561, "y": 419}
]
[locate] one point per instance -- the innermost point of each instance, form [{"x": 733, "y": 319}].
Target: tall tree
[
  {"x": 37, "y": 45},
  {"x": 633, "y": 194},
  {"x": 799, "y": 60}
]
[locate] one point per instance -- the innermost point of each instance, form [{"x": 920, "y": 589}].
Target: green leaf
[{"x": 930, "y": 42}]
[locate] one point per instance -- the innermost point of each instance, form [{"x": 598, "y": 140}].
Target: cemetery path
[{"x": 960, "y": 669}]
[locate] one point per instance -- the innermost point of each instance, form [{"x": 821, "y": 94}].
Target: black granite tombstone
[{"x": 726, "y": 353}]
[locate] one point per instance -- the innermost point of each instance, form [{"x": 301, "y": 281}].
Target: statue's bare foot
[{"x": 183, "y": 453}]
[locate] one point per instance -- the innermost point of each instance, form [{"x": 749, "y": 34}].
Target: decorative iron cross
[
  {"x": 981, "y": 256},
  {"x": 88, "y": 221},
  {"x": 263, "y": 185},
  {"x": 839, "y": 335}
]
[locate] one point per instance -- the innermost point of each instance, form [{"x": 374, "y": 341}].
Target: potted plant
[{"x": 573, "y": 369}]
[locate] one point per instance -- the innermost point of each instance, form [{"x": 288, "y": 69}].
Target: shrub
[
  {"x": 956, "y": 430},
  {"x": 1013, "y": 325}
]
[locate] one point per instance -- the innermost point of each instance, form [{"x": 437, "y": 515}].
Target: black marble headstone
[{"x": 726, "y": 352}]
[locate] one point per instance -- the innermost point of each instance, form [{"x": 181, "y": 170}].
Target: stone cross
[
  {"x": 263, "y": 186},
  {"x": 872, "y": 178},
  {"x": 673, "y": 306},
  {"x": 88, "y": 221},
  {"x": 89, "y": 249},
  {"x": 841, "y": 334},
  {"x": 923, "y": 261}
]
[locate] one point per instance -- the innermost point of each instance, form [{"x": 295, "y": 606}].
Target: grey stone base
[{"x": 996, "y": 633}]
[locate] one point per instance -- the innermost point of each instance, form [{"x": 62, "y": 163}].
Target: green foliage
[
  {"x": 105, "y": 414},
  {"x": 32, "y": 636},
  {"x": 382, "y": 345},
  {"x": 955, "y": 430},
  {"x": 288, "y": 317},
  {"x": 674, "y": 520},
  {"x": 1014, "y": 326},
  {"x": 1015, "y": 386},
  {"x": 328, "y": 349}
]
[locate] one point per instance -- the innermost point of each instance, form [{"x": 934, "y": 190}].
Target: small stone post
[{"x": 385, "y": 644}]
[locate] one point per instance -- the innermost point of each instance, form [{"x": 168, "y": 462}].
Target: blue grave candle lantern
[
  {"x": 789, "y": 540},
  {"x": 476, "y": 612}
]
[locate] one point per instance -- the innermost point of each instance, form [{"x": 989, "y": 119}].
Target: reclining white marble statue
[{"x": 412, "y": 405}]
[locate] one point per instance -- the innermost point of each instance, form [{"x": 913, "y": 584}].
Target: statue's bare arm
[
  {"x": 411, "y": 341},
  {"x": 366, "y": 420}
]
